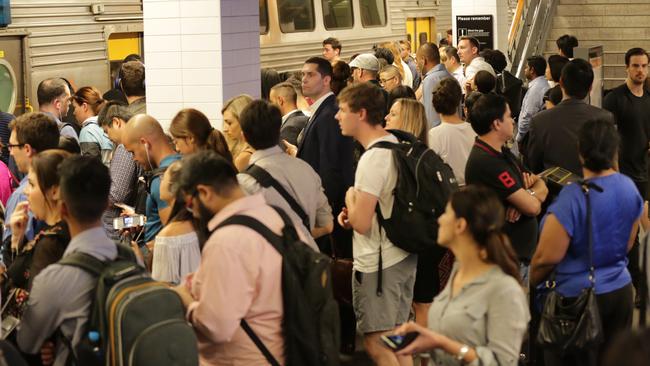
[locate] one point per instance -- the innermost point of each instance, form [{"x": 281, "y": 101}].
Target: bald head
[
  {"x": 430, "y": 52},
  {"x": 143, "y": 126},
  {"x": 144, "y": 137}
]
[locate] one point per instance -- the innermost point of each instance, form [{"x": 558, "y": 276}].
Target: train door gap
[
  {"x": 420, "y": 31},
  {"x": 12, "y": 75}
]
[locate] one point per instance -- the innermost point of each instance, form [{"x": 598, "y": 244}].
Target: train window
[
  {"x": 264, "y": 17},
  {"x": 337, "y": 14},
  {"x": 373, "y": 12},
  {"x": 296, "y": 15}
]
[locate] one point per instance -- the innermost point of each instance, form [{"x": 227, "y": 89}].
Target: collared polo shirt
[{"x": 501, "y": 172}]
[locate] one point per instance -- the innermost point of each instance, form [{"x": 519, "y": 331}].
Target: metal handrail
[{"x": 529, "y": 32}]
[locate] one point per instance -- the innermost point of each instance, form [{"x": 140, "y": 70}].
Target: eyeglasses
[
  {"x": 11, "y": 146},
  {"x": 384, "y": 81}
]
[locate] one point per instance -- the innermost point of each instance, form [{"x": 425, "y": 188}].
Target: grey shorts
[{"x": 380, "y": 313}]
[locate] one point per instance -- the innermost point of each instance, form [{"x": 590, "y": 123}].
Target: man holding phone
[
  {"x": 144, "y": 137},
  {"x": 124, "y": 170}
]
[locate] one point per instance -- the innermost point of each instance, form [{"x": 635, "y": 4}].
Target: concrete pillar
[
  {"x": 198, "y": 54},
  {"x": 497, "y": 8}
]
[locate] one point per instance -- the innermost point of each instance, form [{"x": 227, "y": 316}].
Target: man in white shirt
[
  {"x": 468, "y": 49},
  {"x": 377, "y": 312},
  {"x": 451, "y": 60}
]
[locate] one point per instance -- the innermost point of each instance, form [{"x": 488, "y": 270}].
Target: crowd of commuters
[{"x": 311, "y": 159}]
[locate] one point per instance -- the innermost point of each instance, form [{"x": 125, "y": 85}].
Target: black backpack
[
  {"x": 311, "y": 319},
  {"x": 424, "y": 184},
  {"x": 134, "y": 320},
  {"x": 143, "y": 189}
]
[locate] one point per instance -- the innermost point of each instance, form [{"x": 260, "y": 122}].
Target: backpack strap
[
  {"x": 278, "y": 244},
  {"x": 265, "y": 179},
  {"x": 84, "y": 261},
  {"x": 258, "y": 342},
  {"x": 150, "y": 176}
]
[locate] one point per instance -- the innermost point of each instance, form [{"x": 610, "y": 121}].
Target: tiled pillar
[
  {"x": 199, "y": 53},
  {"x": 497, "y": 8}
]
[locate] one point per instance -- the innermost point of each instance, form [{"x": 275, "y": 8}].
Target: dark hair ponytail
[
  {"x": 217, "y": 142},
  {"x": 485, "y": 217},
  {"x": 500, "y": 252}
]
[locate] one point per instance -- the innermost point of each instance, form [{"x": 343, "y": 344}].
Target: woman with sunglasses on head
[
  {"x": 87, "y": 103},
  {"x": 482, "y": 314}
]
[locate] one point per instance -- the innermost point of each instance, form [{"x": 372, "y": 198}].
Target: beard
[
  {"x": 638, "y": 80},
  {"x": 202, "y": 231}
]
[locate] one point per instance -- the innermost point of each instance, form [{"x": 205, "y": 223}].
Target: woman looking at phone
[{"x": 482, "y": 313}]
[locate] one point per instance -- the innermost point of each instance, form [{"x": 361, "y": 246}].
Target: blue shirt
[
  {"x": 429, "y": 84},
  {"x": 94, "y": 141},
  {"x": 154, "y": 203},
  {"x": 613, "y": 213},
  {"x": 17, "y": 197},
  {"x": 533, "y": 103}
]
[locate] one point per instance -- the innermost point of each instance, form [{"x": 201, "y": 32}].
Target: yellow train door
[
  {"x": 121, "y": 45},
  {"x": 420, "y": 30}
]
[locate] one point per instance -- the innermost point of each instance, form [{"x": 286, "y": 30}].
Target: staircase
[{"x": 617, "y": 25}]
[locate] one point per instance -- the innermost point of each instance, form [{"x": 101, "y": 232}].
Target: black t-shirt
[
  {"x": 501, "y": 172},
  {"x": 632, "y": 115}
]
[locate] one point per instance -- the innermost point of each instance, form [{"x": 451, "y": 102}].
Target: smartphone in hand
[{"x": 397, "y": 342}]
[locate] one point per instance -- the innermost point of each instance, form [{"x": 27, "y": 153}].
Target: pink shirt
[
  {"x": 239, "y": 277},
  {"x": 5, "y": 183}
]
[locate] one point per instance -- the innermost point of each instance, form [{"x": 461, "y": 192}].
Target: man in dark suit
[
  {"x": 284, "y": 96},
  {"x": 322, "y": 146},
  {"x": 553, "y": 133},
  {"x": 321, "y": 143}
]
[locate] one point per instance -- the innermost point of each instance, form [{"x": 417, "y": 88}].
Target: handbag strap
[{"x": 585, "y": 186}]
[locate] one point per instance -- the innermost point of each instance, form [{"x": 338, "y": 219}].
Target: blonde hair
[
  {"x": 413, "y": 118},
  {"x": 237, "y": 104},
  {"x": 394, "y": 49},
  {"x": 392, "y": 71}
]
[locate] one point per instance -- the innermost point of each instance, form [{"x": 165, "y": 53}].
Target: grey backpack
[{"x": 134, "y": 320}]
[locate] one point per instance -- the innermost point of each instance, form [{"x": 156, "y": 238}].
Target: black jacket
[
  {"x": 329, "y": 153},
  {"x": 553, "y": 135},
  {"x": 291, "y": 128}
]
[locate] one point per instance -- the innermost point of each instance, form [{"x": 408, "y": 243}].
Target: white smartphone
[{"x": 124, "y": 222}]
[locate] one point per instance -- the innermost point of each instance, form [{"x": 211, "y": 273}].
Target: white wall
[
  {"x": 497, "y": 8},
  {"x": 199, "y": 53}
]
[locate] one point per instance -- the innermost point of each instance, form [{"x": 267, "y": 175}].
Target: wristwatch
[
  {"x": 462, "y": 353},
  {"x": 531, "y": 192}
]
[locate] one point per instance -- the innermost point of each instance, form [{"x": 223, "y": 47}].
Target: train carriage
[{"x": 85, "y": 41}]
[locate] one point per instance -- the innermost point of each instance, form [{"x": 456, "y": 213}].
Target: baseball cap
[{"x": 366, "y": 61}]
